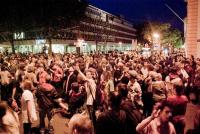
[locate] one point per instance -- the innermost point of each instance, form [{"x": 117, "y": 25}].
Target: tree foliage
[
  {"x": 46, "y": 16},
  {"x": 167, "y": 34},
  {"x": 26, "y": 14}
]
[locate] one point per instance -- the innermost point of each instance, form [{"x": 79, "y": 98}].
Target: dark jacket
[{"x": 112, "y": 122}]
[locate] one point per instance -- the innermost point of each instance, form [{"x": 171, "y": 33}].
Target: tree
[
  {"x": 47, "y": 16},
  {"x": 167, "y": 34}
]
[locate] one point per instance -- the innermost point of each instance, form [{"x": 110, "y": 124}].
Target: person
[
  {"x": 71, "y": 77},
  {"x": 28, "y": 107},
  {"x": 5, "y": 82},
  {"x": 80, "y": 124},
  {"x": 196, "y": 129},
  {"x": 107, "y": 84},
  {"x": 57, "y": 76},
  {"x": 134, "y": 116},
  {"x": 90, "y": 88},
  {"x": 113, "y": 120},
  {"x": 171, "y": 80},
  {"x": 47, "y": 96},
  {"x": 135, "y": 92},
  {"x": 197, "y": 121},
  {"x": 158, "y": 88},
  {"x": 9, "y": 120},
  {"x": 179, "y": 104},
  {"x": 158, "y": 122},
  {"x": 77, "y": 98}
]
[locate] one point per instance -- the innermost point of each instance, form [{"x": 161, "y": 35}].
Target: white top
[
  {"x": 184, "y": 73},
  {"x": 92, "y": 87},
  {"x": 135, "y": 92},
  {"x": 28, "y": 96}
]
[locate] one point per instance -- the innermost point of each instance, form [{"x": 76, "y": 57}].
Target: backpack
[{"x": 44, "y": 99}]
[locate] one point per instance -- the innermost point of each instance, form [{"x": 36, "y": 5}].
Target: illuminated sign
[
  {"x": 40, "y": 42},
  {"x": 19, "y": 35}
]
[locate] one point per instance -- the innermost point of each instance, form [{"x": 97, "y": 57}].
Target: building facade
[
  {"x": 99, "y": 30},
  {"x": 193, "y": 28}
]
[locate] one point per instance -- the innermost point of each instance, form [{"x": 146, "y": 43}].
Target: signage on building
[
  {"x": 40, "y": 42},
  {"x": 19, "y": 35}
]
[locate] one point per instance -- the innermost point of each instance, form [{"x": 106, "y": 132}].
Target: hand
[
  {"x": 155, "y": 114},
  {"x": 30, "y": 120},
  {"x": 77, "y": 68},
  {"x": 14, "y": 105}
]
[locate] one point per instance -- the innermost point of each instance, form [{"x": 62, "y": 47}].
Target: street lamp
[{"x": 156, "y": 36}]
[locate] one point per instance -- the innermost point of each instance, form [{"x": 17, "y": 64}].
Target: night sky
[{"x": 138, "y": 11}]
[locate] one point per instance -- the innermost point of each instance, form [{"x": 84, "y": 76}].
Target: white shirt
[
  {"x": 135, "y": 92},
  {"x": 184, "y": 73},
  {"x": 90, "y": 89},
  {"x": 28, "y": 96}
]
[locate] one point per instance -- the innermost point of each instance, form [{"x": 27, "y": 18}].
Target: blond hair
[{"x": 80, "y": 124}]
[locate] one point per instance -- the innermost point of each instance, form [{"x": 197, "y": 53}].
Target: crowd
[{"x": 102, "y": 93}]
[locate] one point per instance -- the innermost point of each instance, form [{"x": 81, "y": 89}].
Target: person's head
[
  {"x": 75, "y": 86},
  {"x": 80, "y": 124},
  {"x": 89, "y": 74},
  {"x": 123, "y": 91},
  {"x": 165, "y": 110},
  {"x": 107, "y": 75},
  {"x": 133, "y": 78},
  {"x": 115, "y": 100},
  {"x": 179, "y": 89},
  {"x": 174, "y": 70},
  {"x": 158, "y": 77},
  {"x": 27, "y": 85}
]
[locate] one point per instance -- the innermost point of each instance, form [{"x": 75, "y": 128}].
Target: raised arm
[
  {"x": 141, "y": 126},
  {"x": 82, "y": 75}
]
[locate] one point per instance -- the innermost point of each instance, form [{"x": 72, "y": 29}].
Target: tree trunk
[
  {"x": 78, "y": 50},
  {"x": 96, "y": 44},
  {"x": 50, "y": 46}
]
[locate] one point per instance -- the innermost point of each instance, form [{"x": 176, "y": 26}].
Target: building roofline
[{"x": 89, "y": 5}]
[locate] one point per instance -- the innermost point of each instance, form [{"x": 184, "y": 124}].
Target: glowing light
[{"x": 156, "y": 35}]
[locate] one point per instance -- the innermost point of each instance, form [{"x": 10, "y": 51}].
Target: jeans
[
  {"x": 42, "y": 115},
  {"x": 27, "y": 128}
]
